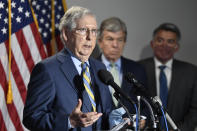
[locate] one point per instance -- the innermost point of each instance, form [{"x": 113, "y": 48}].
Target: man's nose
[
  {"x": 115, "y": 43},
  {"x": 89, "y": 34}
]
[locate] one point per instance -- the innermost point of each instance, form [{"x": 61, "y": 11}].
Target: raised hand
[{"x": 80, "y": 119}]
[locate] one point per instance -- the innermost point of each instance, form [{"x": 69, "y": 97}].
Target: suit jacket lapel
[
  {"x": 174, "y": 83},
  {"x": 67, "y": 67},
  {"x": 73, "y": 77},
  {"x": 123, "y": 64}
]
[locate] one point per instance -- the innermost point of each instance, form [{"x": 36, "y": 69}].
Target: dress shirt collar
[
  {"x": 158, "y": 63},
  {"x": 76, "y": 61},
  {"x": 107, "y": 63}
]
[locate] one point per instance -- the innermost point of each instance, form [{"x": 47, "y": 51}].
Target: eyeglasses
[{"x": 84, "y": 31}]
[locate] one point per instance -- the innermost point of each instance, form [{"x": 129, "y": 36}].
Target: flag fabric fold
[
  {"x": 28, "y": 47},
  {"x": 48, "y": 22}
]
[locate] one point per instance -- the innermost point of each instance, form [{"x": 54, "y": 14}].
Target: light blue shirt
[{"x": 115, "y": 117}]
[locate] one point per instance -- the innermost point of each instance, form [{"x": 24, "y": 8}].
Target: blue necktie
[
  {"x": 87, "y": 84},
  {"x": 163, "y": 91},
  {"x": 163, "y": 86}
]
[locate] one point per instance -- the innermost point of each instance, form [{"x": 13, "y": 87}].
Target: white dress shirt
[{"x": 167, "y": 71}]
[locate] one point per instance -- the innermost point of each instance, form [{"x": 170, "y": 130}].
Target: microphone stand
[
  {"x": 153, "y": 117},
  {"x": 123, "y": 125},
  {"x": 117, "y": 96},
  {"x": 161, "y": 111},
  {"x": 138, "y": 114},
  {"x": 156, "y": 105}
]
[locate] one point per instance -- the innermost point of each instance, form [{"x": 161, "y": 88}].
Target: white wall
[{"x": 142, "y": 16}]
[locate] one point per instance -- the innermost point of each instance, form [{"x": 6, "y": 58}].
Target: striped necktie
[
  {"x": 87, "y": 84},
  {"x": 163, "y": 86},
  {"x": 115, "y": 73}
]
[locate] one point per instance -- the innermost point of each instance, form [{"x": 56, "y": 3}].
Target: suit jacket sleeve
[
  {"x": 190, "y": 119},
  {"x": 38, "y": 114}
]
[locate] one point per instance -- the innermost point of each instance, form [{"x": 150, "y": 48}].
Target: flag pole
[
  {"x": 9, "y": 94},
  {"x": 53, "y": 41},
  {"x": 64, "y": 5}
]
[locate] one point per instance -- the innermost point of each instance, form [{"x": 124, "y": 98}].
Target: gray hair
[
  {"x": 168, "y": 27},
  {"x": 68, "y": 21},
  {"x": 113, "y": 24}
]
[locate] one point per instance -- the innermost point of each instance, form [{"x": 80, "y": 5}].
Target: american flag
[
  {"x": 26, "y": 50},
  {"x": 49, "y": 24}
]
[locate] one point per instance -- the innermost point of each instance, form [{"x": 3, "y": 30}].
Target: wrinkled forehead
[{"x": 87, "y": 21}]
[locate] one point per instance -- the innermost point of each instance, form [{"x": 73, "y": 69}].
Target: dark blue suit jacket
[
  {"x": 53, "y": 92},
  {"x": 138, "y": 71}
]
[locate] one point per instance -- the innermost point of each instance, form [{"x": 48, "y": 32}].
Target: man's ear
[
  {"x": 151, "y": 44},
  {"x": 64, "y": 35},
  {"x": 176, "y": 47},
  {"x": 99, "y": 42}
]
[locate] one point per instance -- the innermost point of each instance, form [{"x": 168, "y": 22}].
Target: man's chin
[{"x": 83, "y": 56}]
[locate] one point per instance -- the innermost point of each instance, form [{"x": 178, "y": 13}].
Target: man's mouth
[{"x": 87, "y": 46}]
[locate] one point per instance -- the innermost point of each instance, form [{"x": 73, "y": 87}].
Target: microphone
[
  {"x": 132, "y": 79},
  {"x": 107, "y": 78},
  {"x": 139, "y": 87},
  {"x": 156, "y": 100}
]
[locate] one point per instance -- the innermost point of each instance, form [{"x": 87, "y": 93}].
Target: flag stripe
[
  {"x": 2, "y": 123},
  {"x": 20, "y": 61},
  {"x": 34, "y": 51},
  {"x": 17, "y": 99},
  {"x": 38, "y": 40},
  {"x": 14, "y": 117},
  {"x": 24, "y": 50},
  {"x": 10, "y": 107},
  {"x": 17, "y": 76},
  {"x": 16, "y": 94},
  {"x": 49, "y": 49},
  {"x": 6, "y": 117}
]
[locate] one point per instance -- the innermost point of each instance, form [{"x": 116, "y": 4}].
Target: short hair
[
  {"x": 68, "y": 21},
  {"x": 113, "y": 24},
  {"x": 168, "y": 27}
]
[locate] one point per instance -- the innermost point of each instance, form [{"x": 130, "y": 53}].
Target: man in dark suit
[
  {"x": 112, "y": 39},
  {"x": 58, "y": 99},
  {"x": 181, "y": 77}
]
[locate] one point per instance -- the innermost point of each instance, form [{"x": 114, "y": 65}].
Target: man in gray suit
[{"x": 181, "y": 77}]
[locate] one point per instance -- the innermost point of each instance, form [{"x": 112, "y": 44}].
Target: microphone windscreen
[
  {"x": 129, "y": 77},
  {"x": 105, "y": 76}
]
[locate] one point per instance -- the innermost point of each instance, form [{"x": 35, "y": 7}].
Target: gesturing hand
[{"x": 80, "y": 119}]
